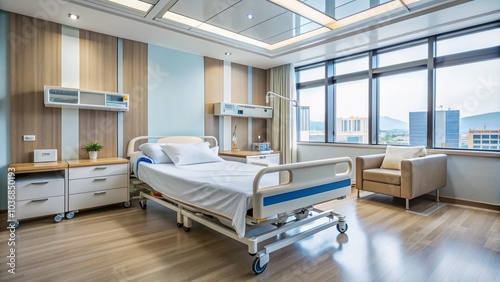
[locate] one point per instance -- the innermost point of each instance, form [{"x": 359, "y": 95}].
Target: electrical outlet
[{"x": 29, "y": 137}]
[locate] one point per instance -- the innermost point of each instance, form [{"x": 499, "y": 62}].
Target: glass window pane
[
  {"x": 344, "y": 66},
  {"x": 310, "y": 74},
  {"x": 403, "y": 109},
  {"x": 471, "y": 91},
  {"x": 352, "y": 112},
  {"x": 405, "y": 55},
  {"x": 311, "y": 114},
  {"x": 468, "y": 42}
]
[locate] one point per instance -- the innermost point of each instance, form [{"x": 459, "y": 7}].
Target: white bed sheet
[{"x": 224, "y": 188}]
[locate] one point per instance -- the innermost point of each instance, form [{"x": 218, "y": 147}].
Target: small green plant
[{"x": 93, "y": 147}]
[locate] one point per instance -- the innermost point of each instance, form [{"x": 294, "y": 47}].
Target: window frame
[{"x": 431, "y": 64}]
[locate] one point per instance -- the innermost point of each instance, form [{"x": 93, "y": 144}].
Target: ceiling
[{"x": 315, "y": 31}]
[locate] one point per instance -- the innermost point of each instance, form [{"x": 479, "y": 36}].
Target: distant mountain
[
  {"x": 391, "y": 123},
  {"x": 489, "y": 120}
]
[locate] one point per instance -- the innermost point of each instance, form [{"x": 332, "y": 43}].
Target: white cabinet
[
  {"x": 94, "y": 183},
  {"x": 39, "y": 190},
  {"x": 251, "y": 157}
]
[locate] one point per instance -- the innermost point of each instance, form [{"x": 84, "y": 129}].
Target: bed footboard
[{"x": 309, "y": 183}]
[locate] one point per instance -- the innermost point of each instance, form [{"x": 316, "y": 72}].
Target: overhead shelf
[{"x": 63, "y": 97}]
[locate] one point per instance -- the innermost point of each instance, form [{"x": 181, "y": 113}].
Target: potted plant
[{"x": 92, "y": 149}]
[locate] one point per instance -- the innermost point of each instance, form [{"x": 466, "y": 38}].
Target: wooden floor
[{"x": 383, "y": 243}]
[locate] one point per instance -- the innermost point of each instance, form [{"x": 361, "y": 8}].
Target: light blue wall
[
  {"x": 176, "y": 92},
  {"x": 4, "y": 107}
]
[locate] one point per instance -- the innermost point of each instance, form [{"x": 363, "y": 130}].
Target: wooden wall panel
[
  {"x": 259, "y": 90},
  {"x": 135, "y": 83},
  {"x": 214, "y": 91},
  {"x": 98, "y": 71},
  {"x": 239, "y": 94},
  {"x": 35, "y": 61}
]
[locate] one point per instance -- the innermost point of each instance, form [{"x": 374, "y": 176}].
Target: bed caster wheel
[
  {"x": 70, "y": 215},
  {"x": 58, "y": 217},
  {"x": 179, "y": 225},
  {"x": 256, "y": 266},
  {"x": 187, "y": 229},
  {"x": 126, "y": 204},
  {"x": 143, "y": 204},
  {"x": 342, "y": 230},
  {"x": 13, "y": 224}
]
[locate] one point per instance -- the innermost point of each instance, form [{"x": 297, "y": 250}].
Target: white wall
[
  {"x": 176, "y": 92},
  {"x": 469, "y": 178},
  {"x": 4, "y": 107}
]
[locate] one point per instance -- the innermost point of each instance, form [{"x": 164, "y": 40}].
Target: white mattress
[{"x": 223, "y": 188}]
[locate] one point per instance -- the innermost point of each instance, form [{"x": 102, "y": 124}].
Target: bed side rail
[{"x": 309, "y": 183}]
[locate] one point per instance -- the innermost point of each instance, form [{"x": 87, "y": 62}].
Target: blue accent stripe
[{"x": 276, "y": 199}]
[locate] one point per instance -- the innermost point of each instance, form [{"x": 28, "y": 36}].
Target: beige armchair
[{"x": 418, "y": 176}]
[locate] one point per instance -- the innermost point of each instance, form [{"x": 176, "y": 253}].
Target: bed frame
[{"x": 276, "y": 209}]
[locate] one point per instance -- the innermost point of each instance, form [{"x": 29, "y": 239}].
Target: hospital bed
[{"x": 242, "y": 201}]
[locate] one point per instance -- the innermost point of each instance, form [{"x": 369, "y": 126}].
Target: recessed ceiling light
[
  {"x": 250, "y": 16},
  {"x": 73, "y": 16},
  {"x": 228, "y": 54}
]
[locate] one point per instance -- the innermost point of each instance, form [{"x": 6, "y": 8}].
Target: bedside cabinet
[
  {"x": 252, "y": 157},
  {"x": 39, "y": 190},
  {"x": 94, "y": 183}
]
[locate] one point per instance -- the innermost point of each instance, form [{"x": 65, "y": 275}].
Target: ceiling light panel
[
  {"x": 279, "y": 28},
  {"x": 343, "y": 8},
  {"x": 201, "y": 10},
  {"x": 305, "y": 11},
  {"x": 235, "y": 18}
]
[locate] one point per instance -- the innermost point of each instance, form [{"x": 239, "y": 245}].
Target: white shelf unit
[{"x": 63, "y": 97}]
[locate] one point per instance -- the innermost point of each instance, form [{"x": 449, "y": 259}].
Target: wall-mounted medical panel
[
  {"x": 63, "y": 97},
  {"x": 242, "y": 110}
]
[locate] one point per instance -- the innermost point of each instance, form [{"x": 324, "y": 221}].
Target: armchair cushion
[
  {"x": 383, "y": 175},
  {"x": 395, "y": 154}
]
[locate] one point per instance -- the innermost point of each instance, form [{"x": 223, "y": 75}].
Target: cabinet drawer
[
  {"x": 263, "y": 159},
  {"x": 97, "y": 198},
  {"x": 97, "y": 171},
  {"x": 39, "y": 207},
  {"x": 84, "y": 185},
  {"x": 39, "y": 188}
]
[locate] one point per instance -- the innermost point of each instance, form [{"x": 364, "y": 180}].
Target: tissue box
[{"x": 45, "y": 155}]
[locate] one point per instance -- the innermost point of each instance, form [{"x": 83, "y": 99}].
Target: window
[
  {"x": 398, "y": 86},
  {"x": 404, "y": 55},
  {"x": 352, "y": 117},
  {"x": 468, "y": 91},
  {"x": 311, "y": 114},
  {"x": 403, "y": 104},
  {"x": 351, "y": 65},
  {"x": 468, "y": 42}
]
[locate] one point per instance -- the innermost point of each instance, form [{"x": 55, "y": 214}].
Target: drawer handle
[
  {"x": 40, "y": 200},
  {"x": 101, "y": 167},
  {"x": 100, "y": 193},
  {"x": 39, "y": 183},
  {"x": 262, "y": 157},
  {"x": 100, "y": 179}
]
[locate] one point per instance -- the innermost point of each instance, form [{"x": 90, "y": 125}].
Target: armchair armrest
[
  {"x": 423, "y": 175},
  {"x": 366, "y": 162}
]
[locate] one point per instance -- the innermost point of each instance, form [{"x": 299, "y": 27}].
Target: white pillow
[
  {"x": 155, "y": 152},
  {"x": 394, "y": 155},
  {"x": 186, "y": 154}
]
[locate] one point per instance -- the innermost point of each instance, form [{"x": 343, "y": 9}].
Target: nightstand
[
  {"x": 251, "y": 157},
  {"x": 94, "y": 183},
  {"x": 38, "y": 190}
]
